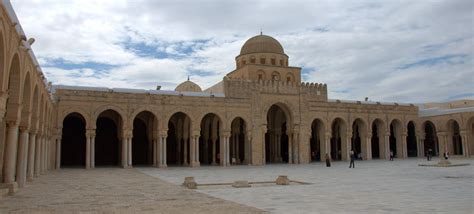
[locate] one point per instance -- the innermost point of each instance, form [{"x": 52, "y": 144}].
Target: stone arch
[
  {"x": 276, "y": 76},
  {"x": 140, "y": 110},
  {"x": 359, "y": 139},
  {"x": 108, "y": 135},
  {"x": 115, "y": 108},
  {"x": 430, "y": 141},
  {"x": 278, "y": 145},
  {"x": 412, "y": 145},
  {"x": 317, "y": 140},
  {"x": 35, "y": 109},
  {"x": 144, "y": 128},
  {"x": 178, "y": 139},
  {"x": 14, "y": 89},
  {"x": 378, "y": 139},
  {"x": 290, "y": 77},
  {"x": 79, "y": 110},
  {"x": 286, "y": 107},
  {"x": 210, "y": 152},
  {"x": 73, "y": 140},
  {"x": 454, "y": 144},
  {"x": 261, "y": 75},
  {"x": 239, "y": 143},
  {"x": 395, "y": 138},
  {"x": 339, "y": 146}
]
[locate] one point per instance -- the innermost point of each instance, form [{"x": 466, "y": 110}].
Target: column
[
  {"x": 21, "y": 157},
  {"x": 88, "y": 152},
  {"x": 465, "y": 144},
  {"x": 43, "y": 154},
  {"x": 368, "y": 143},
  {"x": 222, "y": 151},
  {"x": 442, "y": 144},
  {"x": 58, "y": 153},
  {"x": 163, "y": 152},
  {"x": 296, "y": 144},
  {"x": 192, "y": 151},
  {"x": 10, "y": 153},
  {"x": 185, "y": 149},
  {"x": 31, "y": 157},
  {"x": 290, "y": 148},
  {"x": 347, "y": 146},
  {"x": 37, "y": 156},
  {"x": 237, "y": 149},
  {"x": 327, "y": 148},
  {"x": 93, "y": 150},
  {"x": 213, "y": 140},
  {"x": 227, "y": 150},
  {"x": 404, "y": 146},
  {"x": 387, "y": 146},
  {"x": 278, "y": 138},
  {"x": 129, "y": 150},
  {"x": 155, "y": 152},
  {"x": 197, "y": 150},
  {"x": 124, "y": 152}
]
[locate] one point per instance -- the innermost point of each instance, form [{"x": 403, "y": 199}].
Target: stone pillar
[
  {"x": 192, "y": 151},
  {"x": 421, "y": 147},
  {"x": 222, "y": 151},
  {"x": 213, "y": 141},
  {"x": 227, "y": 142},
  {"x": 43, "y": 154},
  {"x": 21, "y": 157},
  {"x": 92, "y": 150},
  {"x": 88, "y": 151},
  {"x": 347, "y": 146},
  {"x": 263, "y": 130},
  {"x": 296, "y": 150},
  {"x": 10, "y": 153},
  {"x": 58, "y": 153},
  {"x": 465, "y": 144},
  {"x": 124, "y": 152},
  {"x": 368, "y": 147},
  {"x": 387, "y": 146},
  {"x": 31, "y": 157},
  {"x": 237, "y": 149},
  {"x": 155, "y": 152},
  {"x": 129, "y": 150},
  {"x": 290, "y": 148},
  {"x": 442, "y": 140},
  {"x": 163, "y": 152},
  {"x": 197, "y": 162},
  {"x": 327, "y": 146},
  {"x": 404, "y": 146},
  {"x": 248, "y": 152},
  {"x": 37, "y": 156},
  {"x": 185, "y": 148}
]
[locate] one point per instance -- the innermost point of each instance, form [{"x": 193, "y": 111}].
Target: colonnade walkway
[{"x": 112, "y": 190}]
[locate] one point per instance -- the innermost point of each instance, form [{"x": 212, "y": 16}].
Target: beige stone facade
[{"x": 260, "y": 113}]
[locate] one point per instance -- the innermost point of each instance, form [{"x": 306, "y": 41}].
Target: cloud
[{"x": 401, "y": 51}]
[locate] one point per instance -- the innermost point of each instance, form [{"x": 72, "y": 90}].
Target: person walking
[
  {"x": 391, "y": 155},
  {"x": 429, "y": 154},
  {"x": 328, "y": 160},
  {"x": 352, "y": 165}
]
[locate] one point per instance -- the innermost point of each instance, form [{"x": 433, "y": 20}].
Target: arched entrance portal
[
  {"x": 239, "y": 151},
  {"x": 431, "y": 139},
  {"x": 455, "y": 147},
  {"x": 276, "y": 138},
  {"x": 73, "y": 141},
  {"x": 179, "y": 132},
  {"x": 377, "y": 139},
  {"x": 317, "y": 140},
  {"x": 338, "y": 135},
  {"x": 470, "y": 136},
  {"x": 108, "y": 134},
  {"x": 209, "y": 149},
  {"x": 142, "y": 141},
  {"x": 412, "y": 150}
]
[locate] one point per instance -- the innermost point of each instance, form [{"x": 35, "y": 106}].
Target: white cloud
[{"x": 356, "y": 47}]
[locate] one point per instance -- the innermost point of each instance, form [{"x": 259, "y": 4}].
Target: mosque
[{"x": 260, "y": 113}]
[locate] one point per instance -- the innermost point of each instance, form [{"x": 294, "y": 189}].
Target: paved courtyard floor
[
  {"x": 112, "y": 190},
  {"x": 376, "y": 186}
]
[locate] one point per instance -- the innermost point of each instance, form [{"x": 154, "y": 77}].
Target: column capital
[
  {"x": 11, "y": 123},
  {"x": 23, "y": 128},
  {"x": 463, "y": 132},
  {"x": 442, "y": 133}
]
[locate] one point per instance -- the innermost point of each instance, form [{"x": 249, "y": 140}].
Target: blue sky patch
[{"x": 450, "y": 59}]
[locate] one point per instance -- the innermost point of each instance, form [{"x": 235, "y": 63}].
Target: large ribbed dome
[
  {"x": 188, "y": 86},
  {"x": 262, "y": 44}
]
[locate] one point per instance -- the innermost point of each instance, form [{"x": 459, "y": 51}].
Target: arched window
[
  {"x": 275, "y": 76},
  {"x": 290, "y": 77},
  {"x": 252, "y": 59},
  {"x": 262, "y": 60},
  {"x": 273, "y": 61},
  {"x": 261, "y": 75}
]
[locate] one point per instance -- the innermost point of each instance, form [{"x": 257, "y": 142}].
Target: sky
[{"x": 391, "y": 51}]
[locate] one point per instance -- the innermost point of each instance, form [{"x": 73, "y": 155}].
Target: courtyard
[{"x": 376, "y": 186}]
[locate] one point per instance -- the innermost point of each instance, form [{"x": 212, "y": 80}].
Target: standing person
[
  {"x": 429, "y": 154},
  {"x": 446, "y": 155},
  {"x": 352, "y": 159},
  {"x": 391, "y": 155},
  {"x": 328, "y": 160}
]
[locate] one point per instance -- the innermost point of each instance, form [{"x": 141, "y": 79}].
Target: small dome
[
  {"x": 262, "y": 44},
  {"x": 188, "y": 86}
]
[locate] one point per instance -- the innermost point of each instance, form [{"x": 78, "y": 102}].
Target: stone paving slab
[
  {"x": 376, "y": 186},
  {"x": 112, "y": 190}
]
